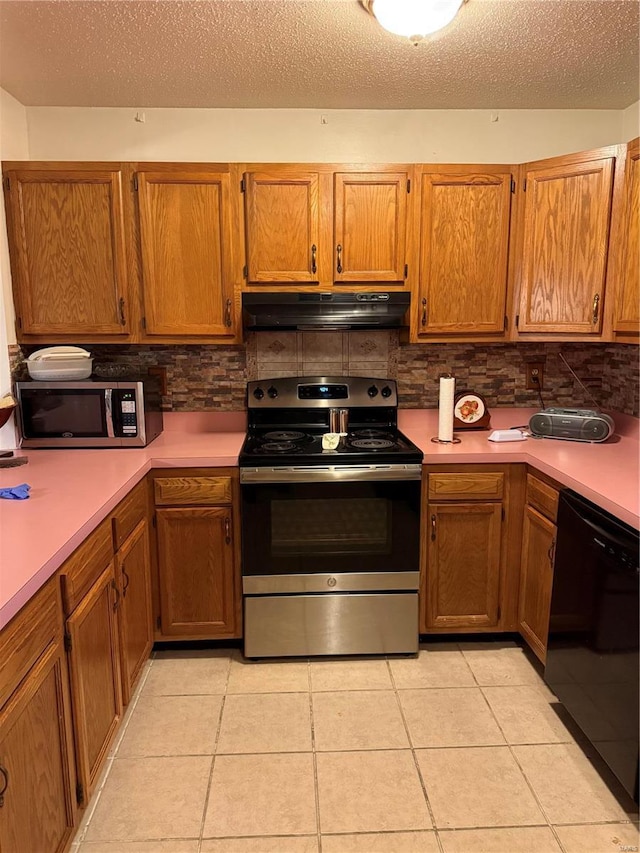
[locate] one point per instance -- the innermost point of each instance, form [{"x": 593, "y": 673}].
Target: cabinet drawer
[
  {"x": 542, "y": 497},
  {"x": 26, "y": 637},
  {"x": 129, "y": 513},
  {"x": 192, "y": 490},
  {"x": 467, "y": 486},
  {"x": 85, "y": 565}
]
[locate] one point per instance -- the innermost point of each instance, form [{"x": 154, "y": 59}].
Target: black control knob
[
  {"x": 258, "y": 393},
  {"x": 386, "y": 391},
  {"x": 372, "y": 391},
  {"x": 272, "y": 392}
]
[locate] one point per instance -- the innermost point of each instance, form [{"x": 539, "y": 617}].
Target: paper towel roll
[{"x": 445, "y": 408}]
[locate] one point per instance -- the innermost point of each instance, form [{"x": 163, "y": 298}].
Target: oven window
[
  {"x": 331, "y": 526},
  {"x": 305, "y": 528}
]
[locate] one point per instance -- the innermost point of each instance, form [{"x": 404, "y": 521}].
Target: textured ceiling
[{"x": 331, "y": 54}]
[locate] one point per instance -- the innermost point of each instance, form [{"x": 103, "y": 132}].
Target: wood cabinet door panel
[
  {"x": 195, "y": 556},
  {"x": 464, "y": 232},
  {"x": 566, "y": 237},
  {"x": 135, "y": 620},
  {"x": 627, "y": 314},
  {"x": 95, "y": 676},
  {"x": 68, "y": 236},
  {"x": 463, "y": 573},
  {"x": 370, "y": 215},
  {"x": 37, "y": 813},
  {"x": 186, "y": 239},
  {"x": 536, "y": 580},
  {"x": 282, "y": 227}
]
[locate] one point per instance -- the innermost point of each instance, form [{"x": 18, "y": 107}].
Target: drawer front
[
  {"x": 542, "y": 497},
  {"x": 129, "y": 513},
  {"x": 85, "y": 565},
  {"x": 26, "y": 637},
  {"x": 466, "y": 486},
  {"x": 192, "y": 490}
]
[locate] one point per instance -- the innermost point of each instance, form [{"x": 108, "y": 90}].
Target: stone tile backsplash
[{"x": 211, "y": 378}]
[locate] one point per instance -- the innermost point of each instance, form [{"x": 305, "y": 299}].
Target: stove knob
[
  {"x": 386, "y": 391},
  {"x": 272, "y": 392},
  {"x": 373, "y": 391},
  {"x": 258, "y": 393}
]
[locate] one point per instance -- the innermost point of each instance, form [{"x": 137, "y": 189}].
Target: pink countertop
[{"x": 72, "y": 491}]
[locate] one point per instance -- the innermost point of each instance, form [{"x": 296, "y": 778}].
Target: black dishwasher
[{"x": 592, "y": 655}]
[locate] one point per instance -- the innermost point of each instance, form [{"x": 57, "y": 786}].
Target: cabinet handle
[
  {"x": 123, "y": 321},
  {"x": 314, "y": 267},
  {"x": 433, "y": 528},
  {"x": 552, "y": 552},
  {"x": 596, "y": 308},
  {"x": 227, "y": 313},
  {"x": 227, "y": 530},
  {"x": 127, "y": 579},
  {"x": 4, "y": 783},
  {"x": 424, "y": 312},
  {"x": 339, "y": 253},
  {"x": 116, "y": 603}
]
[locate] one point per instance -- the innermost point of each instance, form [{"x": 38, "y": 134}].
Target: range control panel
[{"x": 321, "y": 392}]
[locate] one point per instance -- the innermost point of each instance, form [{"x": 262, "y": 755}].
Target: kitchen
[{"x": 205, "y": 421}]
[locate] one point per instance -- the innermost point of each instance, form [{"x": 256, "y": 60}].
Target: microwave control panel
[{"x": 128, "y": 415}]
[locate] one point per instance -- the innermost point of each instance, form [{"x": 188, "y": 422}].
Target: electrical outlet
[{"x": 535, "y": 375}]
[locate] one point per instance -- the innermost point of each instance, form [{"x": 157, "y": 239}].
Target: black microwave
[{"x": 88, "y": 414}]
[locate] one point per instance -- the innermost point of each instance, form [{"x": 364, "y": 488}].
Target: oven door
[{"x": 330, "y": 536}]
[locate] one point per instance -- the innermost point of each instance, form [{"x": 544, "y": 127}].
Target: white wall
[
  {"x": 446, "y": 136},
  {"x": 13, "y": 146},
  {"x": 631, "y": 122}
]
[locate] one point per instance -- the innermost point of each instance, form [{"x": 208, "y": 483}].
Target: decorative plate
[{"x": 470, "y": 411}]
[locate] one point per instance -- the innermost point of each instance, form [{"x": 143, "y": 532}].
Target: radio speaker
[{"x": 572, "y": 425}]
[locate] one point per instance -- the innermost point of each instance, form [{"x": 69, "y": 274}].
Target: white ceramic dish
[{"x": 58, "y": 370}]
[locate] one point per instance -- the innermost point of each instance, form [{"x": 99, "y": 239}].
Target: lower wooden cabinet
[
  {"x": 94, "y": 665},
  {"x": 536, "y": 568},
  {"x": 135, "y": 616},
  {"x": 464, "y": 546},
  {"x": 196, "y": 566}
]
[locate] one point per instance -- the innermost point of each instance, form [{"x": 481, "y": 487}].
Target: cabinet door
[
  {"x": 195, "y": 557},
  {"x": 627, "y": 311},
  {"x": 94, "y": 664},
  {"x": 37, "y": 810},
  {"x": 68, "y": 252},
  {"x": 282, "y": 227},
  {"x": 186, "y": 244},
  {"x": 370, "y": 220},
  {"x": 464, "y": 248},
  {"x": 567, "y": 211},
  {"x": 536, "y": 580},
  {"x": 463, "y": 565},
  {"x": 135, "y": 618}
]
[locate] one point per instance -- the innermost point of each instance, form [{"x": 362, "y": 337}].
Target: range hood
[{"x": 269, "y": 311}]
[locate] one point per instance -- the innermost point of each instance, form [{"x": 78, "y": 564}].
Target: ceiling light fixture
[{"x": 414, "y": 19}]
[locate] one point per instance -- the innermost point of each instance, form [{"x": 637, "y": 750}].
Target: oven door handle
[{"x": 331, "y": 473}]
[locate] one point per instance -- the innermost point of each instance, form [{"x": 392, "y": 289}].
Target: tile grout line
[
  {"x": 314, "y": 759},
  {"x": 415, "y": 758},
  {"x": 213, "y": 758}
]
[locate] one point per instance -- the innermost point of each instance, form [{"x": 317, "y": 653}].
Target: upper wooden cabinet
[
  {"x": 562, "y": 262},
  {"x": 627, "y": 308},
  {"x": 464, "y": 251},
  {"x": 67, "y": 245},
  {"x": 282, "y": 220},
  {"x": 322, "y": 227},
  {"x": 186, "y": 250}
]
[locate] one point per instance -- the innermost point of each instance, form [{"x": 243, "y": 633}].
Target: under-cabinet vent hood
[{"x": 264, "y": 311}]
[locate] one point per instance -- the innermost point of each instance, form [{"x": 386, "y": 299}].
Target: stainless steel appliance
[
  {"x": 89, "y": 414},
  {"x": 330, "y": 538},
  {"x": 592, "y": 656}
]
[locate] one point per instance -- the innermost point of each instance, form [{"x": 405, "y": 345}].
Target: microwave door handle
[{"x": 108, "y": 407}]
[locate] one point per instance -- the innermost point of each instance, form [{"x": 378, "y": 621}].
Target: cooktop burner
[
  {"x": 284, "y": 435},
  {"x": 372, "y": 443}
]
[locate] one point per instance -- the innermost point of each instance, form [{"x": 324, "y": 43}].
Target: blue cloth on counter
[{"x": 16, "y": 493}]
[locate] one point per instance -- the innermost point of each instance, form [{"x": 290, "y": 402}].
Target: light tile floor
[{"x": 456, "y": 751}]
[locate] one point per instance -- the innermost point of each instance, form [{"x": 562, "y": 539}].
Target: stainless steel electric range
[{"x": 330, "y": 537}]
